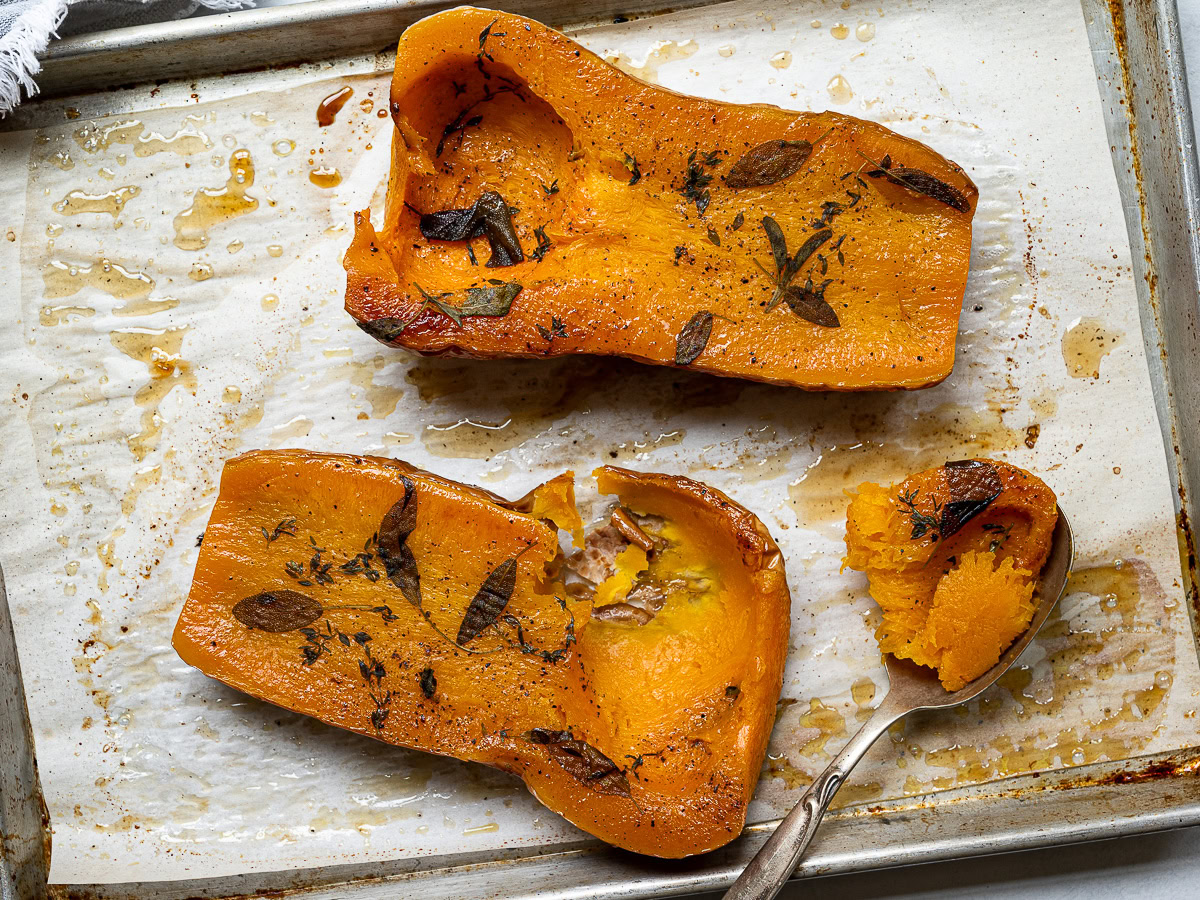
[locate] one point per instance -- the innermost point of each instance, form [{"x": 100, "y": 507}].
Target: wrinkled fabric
[{"x": 27, "y": 27}]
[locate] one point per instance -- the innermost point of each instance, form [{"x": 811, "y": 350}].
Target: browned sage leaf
[
  {"x": 778, "y": 243},
  {"x": 920, "y": 182},
  {"x": 973, "y": 484},
  {"x": 583, "y": 762},
  {"x": 489, "y": 217},
  {"x": 495, "y": 300},
  {"x": 489, "y": 602},
  {"x": 399, "y": 521},
  {"x": 768, "y": 163},
  {"x": 398, "y": 560},
  {"x": 386, "y": 329},
  {"x": 693, "y": 338},
  {"x": 278, "y": 611},
  {"x": 810, "y": 305}
]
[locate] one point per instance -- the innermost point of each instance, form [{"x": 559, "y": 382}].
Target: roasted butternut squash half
[
  {"x": 631, "y": 683},
  {"x": 951, "y": 555},
  {"x": 542, "y": 202}
]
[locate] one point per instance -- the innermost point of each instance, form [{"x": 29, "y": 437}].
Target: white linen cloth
[{"x": 27, "y": 26}]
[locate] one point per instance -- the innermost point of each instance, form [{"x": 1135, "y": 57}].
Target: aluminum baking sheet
[{"x": 788, "y": 456}]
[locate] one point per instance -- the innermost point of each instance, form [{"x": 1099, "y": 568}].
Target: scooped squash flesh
[
  {"x": 951, "y": 555},
  {"x": 542, "y": 202},
  {"x": 385, "y": 600}
]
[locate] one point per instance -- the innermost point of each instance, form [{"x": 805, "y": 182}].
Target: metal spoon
[{"x": 911, "y": 687}]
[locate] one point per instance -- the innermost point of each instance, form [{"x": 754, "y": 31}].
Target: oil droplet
[
  {"x": 70, "y": 589},
  {"x": 298, "y": 427},
  {"x": 481, "y": 829},
  {"x": 232, "y": 394},
  {"x": 261, "y": 119},
  {"x": 726, "y": 50},
  {"x": 269, "y": 302},
  {"x": 200, "y": 272},
  {"x": 330, "y": 106},
  {"x": 111, "y": 202},
  {"x": 60, "y": 279},
  {"x": 382, "y": 113},
  {"x": 865, "y": 31},
  {"x": 146, "y": 307},
  {"x": 396, "y": 439},
  {"x": 59, "y": 315},
  {"x": 660, "y": 52},
  {"x": 142, "y": 479},
  {"x": 211, "y": 206},
  {"x": 815, "y": 23},
  {"x": 58, "y": 509},
  {"x": 1085, "y": 344},
  {"x": 827, "y": 721},
  {"x": 782, "y": 59},
  {"x": 53, "y": 230},
  {"x": 366, "y": 104},
  {"x": 839, "y": 89},
  {"x": 840, "y": 31},
  {"x": 325, "y": 177},
  {"x": 159, "y": 349},
  {"x": 184, "y": 142},
  {"x": 234, "y": 246},
  {"x": 283, "y": 147},
  {"x": 63, "y": 160},
  {"x": 274, "y": 250},
  {"x": 72, "y": 567}
]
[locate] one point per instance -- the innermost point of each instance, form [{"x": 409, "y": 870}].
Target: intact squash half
[
  {"x": 951, "y": 555},
  {"x": 542, "y": 202},
  {"x": 632, "y": 684}
]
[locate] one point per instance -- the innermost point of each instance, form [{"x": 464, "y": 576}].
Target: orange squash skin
[
  {"x": 681, "y": 707},
  {"x": 630, "y": 264},
  {"x": 954, "y": 601}
]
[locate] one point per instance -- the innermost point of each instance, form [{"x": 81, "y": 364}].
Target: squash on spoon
[{"x": 542, "y": 202}]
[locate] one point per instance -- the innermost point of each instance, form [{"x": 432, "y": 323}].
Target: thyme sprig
[{"x": 922, "y": 523}]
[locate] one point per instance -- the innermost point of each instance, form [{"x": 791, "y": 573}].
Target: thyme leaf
[
  {"x": 635, "y": 171},
  {"x": 556, "y": 330},
  {"x": 543, "y": 244},
  {"x": 922, "y": 523}
]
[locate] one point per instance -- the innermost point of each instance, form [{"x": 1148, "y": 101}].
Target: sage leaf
[
  {"x": 489, "y": 602},
  {"x": 494, "y": 301},
  {"x": 693, "y": 338},
  {"x": 768, "y": 163},
  {"x": 385, "y": 329},
  {"x": 919, "y": 182},
  {"x": 278, "y": 611},
  {"x": 974, "y": 485},
  {"x": 810, "y": 305},
  {"x": 778, "y": 243},
  {"x": 583, "y": 762},
  {"x": 489, "y": 217}
]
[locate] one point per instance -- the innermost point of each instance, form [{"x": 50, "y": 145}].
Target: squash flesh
[
  {"x": 952, "y": 602},
  {"x": 655, "y": 693},
  {"x": 630, "y": 264}
]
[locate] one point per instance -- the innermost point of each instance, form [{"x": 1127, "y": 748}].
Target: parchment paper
[{"x": 113, "y": 449}]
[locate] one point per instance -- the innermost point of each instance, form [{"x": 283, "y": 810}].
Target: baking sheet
[{"x": 151, "y": 771}]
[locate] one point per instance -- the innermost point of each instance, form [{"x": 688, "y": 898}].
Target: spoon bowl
[{"x": 910, "y": 687}]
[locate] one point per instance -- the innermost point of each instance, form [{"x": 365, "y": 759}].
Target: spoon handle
[{"x": 777, "y": 858}]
